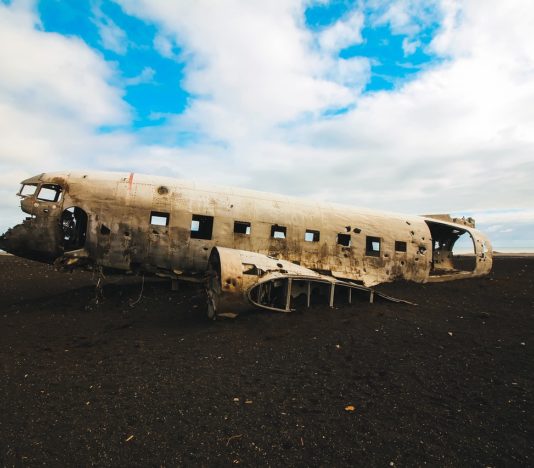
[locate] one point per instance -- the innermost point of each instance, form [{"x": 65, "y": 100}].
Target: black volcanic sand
[{"x": 448, "y": 382}]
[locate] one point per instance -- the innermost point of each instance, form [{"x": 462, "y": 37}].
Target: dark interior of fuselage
[
  {"x": 74, "y": 228},
  {"x": 446, "y": 259}
]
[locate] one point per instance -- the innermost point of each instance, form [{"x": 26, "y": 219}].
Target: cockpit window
[
  {"x": 49, "y": 192},
  {"x": 27, "y": 190}
]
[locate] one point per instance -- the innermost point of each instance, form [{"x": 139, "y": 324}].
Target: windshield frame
[{"x": 49, "y": 188}]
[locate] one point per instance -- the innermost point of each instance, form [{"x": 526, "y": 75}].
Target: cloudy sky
[{"x": 417, "y": 106}]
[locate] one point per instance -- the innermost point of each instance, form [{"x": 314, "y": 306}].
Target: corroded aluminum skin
[
  {"x": 122, "y": 202},
  {"x": 236, "y": 279}
]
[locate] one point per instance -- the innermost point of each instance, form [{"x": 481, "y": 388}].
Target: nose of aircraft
[{"x": 33, "y": 242}]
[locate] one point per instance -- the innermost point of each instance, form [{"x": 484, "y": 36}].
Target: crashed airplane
[{"x": 250, "y": 249}]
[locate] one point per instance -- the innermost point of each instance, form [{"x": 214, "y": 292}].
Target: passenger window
[
  {"x": 49, "y": 192},
  {"x": 344, "y": 240},
  {"x": 400, "y": 246},
  {"x": 242, "y": 227},
  {"x": 201, "y": 227},
  {"x": 312, "y": 236},
  {"x": 278, "y": 232},
  {"x": 372, "y": 246},
  {"x": 157, "y": 218}
]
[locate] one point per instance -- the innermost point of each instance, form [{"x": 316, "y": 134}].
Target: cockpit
[
  {"x": 42, "y": 192},
  {"x": 53, "y": 226}
]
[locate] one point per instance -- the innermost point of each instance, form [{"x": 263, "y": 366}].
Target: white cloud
[
  {"x": 343, "y": 33},
  {"x": 164, "y": 46},
  {"x": 250, "y": 61},
  {"x": 461, "y": 131},
  {"x": 456, "y": 138},
  {"x": 353, "y": 72},
  {"x": 501, "y": 220},
  {"x": 146, "y": 76},
  {"x": 53, "y": 74},
  {"x": 54, "y": 93},
  {"x": 407, "y": 17},
  {"x": 409, "y": 47},
  {"x": 111, "y": 36}
]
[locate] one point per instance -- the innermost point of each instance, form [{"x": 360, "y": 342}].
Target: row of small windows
[{"x": 202, "y": 228}]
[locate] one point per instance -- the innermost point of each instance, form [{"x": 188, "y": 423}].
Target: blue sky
[
  {"x": 418, "y": 106},
  {"x": 163, "y": 94}
]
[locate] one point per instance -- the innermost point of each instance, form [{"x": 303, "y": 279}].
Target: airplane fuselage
[{"x": 165, "y": 226}]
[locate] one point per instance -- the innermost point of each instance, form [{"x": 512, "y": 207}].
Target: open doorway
[
  {"x": 453, "y": 249},
  {"x": 74, "y": 228}
]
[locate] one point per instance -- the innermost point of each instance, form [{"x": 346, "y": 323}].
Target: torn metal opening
[
  {"x": 445, "y": 260},
  {"x": 344, "y": 240},
  {"x": 74, "y": 227}
]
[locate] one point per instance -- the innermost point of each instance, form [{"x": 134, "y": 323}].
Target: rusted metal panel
[{"x": 240, "y": 279}]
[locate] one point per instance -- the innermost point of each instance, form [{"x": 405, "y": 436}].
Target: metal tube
[
  {"x": 332, "y": 289},
  {"x": 288, "y": 294}
]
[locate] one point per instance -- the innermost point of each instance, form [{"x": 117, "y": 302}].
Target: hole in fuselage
[
  {"x": 74, "y": 228},
  {"x": 453, "y": 249}
]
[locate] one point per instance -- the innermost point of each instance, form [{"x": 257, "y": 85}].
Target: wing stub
[{"x": 239, "y": 280}]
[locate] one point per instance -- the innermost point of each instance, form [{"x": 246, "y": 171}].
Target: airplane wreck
[{"x": 249, "y": 249}]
